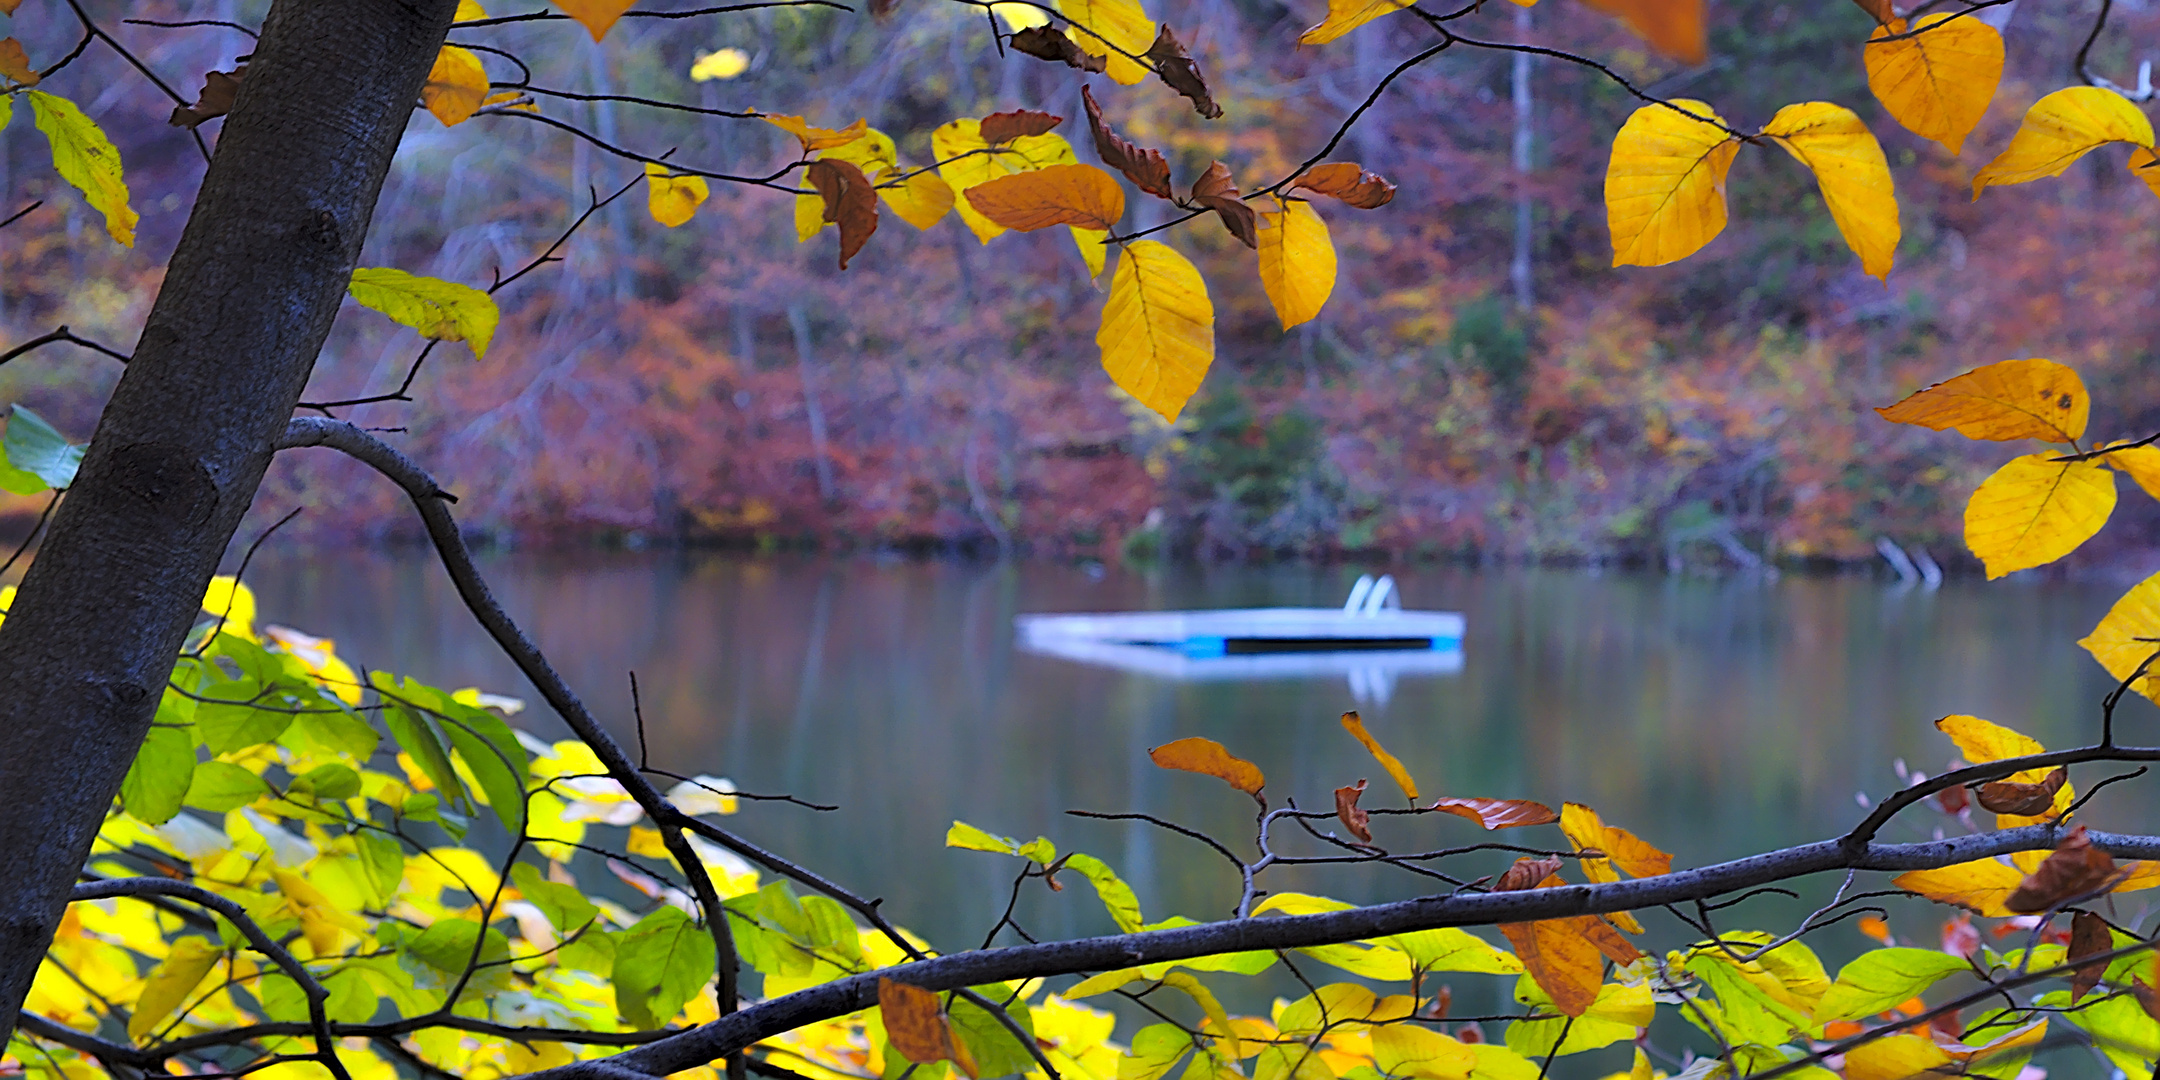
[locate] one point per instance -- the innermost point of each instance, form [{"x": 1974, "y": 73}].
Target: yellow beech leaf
[
  {"x": 2013, "y": 399},
  {"x": 1672, "y": 27},
  {"x": 1897, "y": 1057},
  {"x": 817, "y": 138},
  {"x": 720, "y": 64},
  {"x": 1206, "y": 756},
  {"x": 1981, "y": 885},
  {"x": 2145, "y": 165},
  {"x": 1982, "y": 741},
  {"x": 2116, "y": 641},
  {"x": 1833, "y": 142},
  {"x": 1629, "y": 852},
  {"x": 809, "y": 215},
  {"x": 1099, "y": 24},
  {"x": 596, "y": 15},
  {"x": 171, "y": 982},
  {"x": 1078, "y": 195},
  {"x": 870, "y": 151},
  {"x": 455, "y": 87},
  {"x": 84, "y": 157},
  {"x": 2059, "y": 129},
  {"x": 1404, "y": 1050},
  {"x": 1355, "y": 725},
  {"x": 1344, "y": 16},
  {"x": 1665, "y": 187},
  {"x": 970, "y": 162},
  {"x": 1158, "y": 328},
  {"x": 467, "y": 11},
  {"x": 443, "y": 310},
  {"x": 920, "y": 200},
  {"x": 1938, "y": 82},
  {"x": 1297, "y": 263},
  {"x": 1094, "y": 248},
  {"x": 2035, "y": 510},
  {"x": 672, "y": 199}
]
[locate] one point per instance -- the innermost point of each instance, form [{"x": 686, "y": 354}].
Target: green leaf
[
  {"x": 413, "y": 732},
  {"x": 1116, "y": 895},
  {"x": 1593, "y": 1029},
  {"x": 219, "y": 786},
  {"x": 995, "y": 1051},
  {"x": 228, "y": 723},
  {"x": 496, "y": 759},
  {"x": 566, "y": 909},
  {"x": 332, "y": 730},
  {"x": 660, "y": 964},
  {"x": 281, "y": 998},
  {"x": 382, "y": 861},
  {"x": 2119, "y": 1027},
  {"x": 328, "y": 782},
  {"x": 352, "y": 1000},
  {"x": 1156, "y": 1049},
  {"x": 1453, "y": 949},
  {"x": 1751, "y": 1015},
  {"x": 37, "y": 456},
  {"x": 832, "y": 929},
  {"x": 447, "y": 946},
  {"x": 1882, "y": 978},
  {"x": 158, "y": 781},
  {"x": 443, "y": 310},
  {"x": 964, "y": 835},
  {"x": 84, "y": 157}
]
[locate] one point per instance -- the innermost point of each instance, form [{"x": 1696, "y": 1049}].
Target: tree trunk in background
[
  {"x": 1525, "y": 134},
  {"x": 247, "y": 300},
  {"x": 799, "y": 324}
]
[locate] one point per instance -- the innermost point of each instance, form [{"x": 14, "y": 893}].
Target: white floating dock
[{"x": 1245, "y": 642}]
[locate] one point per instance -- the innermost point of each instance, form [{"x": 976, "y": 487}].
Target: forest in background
[{"x": 723, "y": 383}]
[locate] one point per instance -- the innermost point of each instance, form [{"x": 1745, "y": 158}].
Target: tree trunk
[{"x": 248, "y": 298}]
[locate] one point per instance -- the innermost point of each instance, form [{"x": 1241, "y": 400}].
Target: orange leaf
[
  {"x": 455, "y": 87},
  {"x": 1208, "y": 757},
  {"x": 1353, "y": 816},
  {"x": 1078, "y": 195},
  {"x": 1564, "y": 956},
  {"x": 1348, "y": 181},
  {"x": 1498, "y": 813},
  {"x": 1356, "y": 727},
  {"x": 916, "y": 1026},
  {"x": 15, "y": 64},
  {"x": 597, "y": 15},
  {"x": 1630, "y": 853},
  {"x": 850, "y": 202},
  {"x": 1672, "y": 27},
  {"x": 1879, "y": 9},
  {"x": 817, "y": 138},
  {"x": 2013, "y": 399},
  {"x": 2145, "y": 165}
]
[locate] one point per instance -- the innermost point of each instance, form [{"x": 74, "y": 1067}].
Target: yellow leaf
[
  {"x": 809, "y": 215},
  {"x": 2145, "y": 165},
  {"x": 1344, "y": 16},
  {"x": 870, "y": 151},
  {"x": 1981, "y": 885},
  {"x": 171, "y": 982},
  {"x": 720, "y": 64},
  {"x": 1158, "y": 328},
  {"x": 817, "y": 138},
  {"x": 84, "y": 157},
  {"x": 233, "y": 603},
  {"x": 1665, "y": 187},
  {"x": 1937, "y": 82},
  {"x": 2013, "y": 399},
  {"x": 443, "y": 310},
  {"x": 920, "y": 200},
  {"x": 1982, "y": 741},
  {"x": 455, "y": 87},
  {"x": 596, "y": 15},
  {"x": 467, "y": 11},
  {"x": 968, "y": 161},
  {"x": 1206, "y": 756},
  {"x": 2035, "y": 511},
  {"x": 1078, "y": 195},
  {"x": 1896, "y": 1057},
  {"x": 1297, "y": 264},
  {"x": 15, "y": 64},
  {"x": 1355, "y": 725},
  {"x": 1849, "y": 166},
  {"x": 1113, "y": 22},
  {"x": 1672, "y": 27},
  {"x": 672, "y": 199},
  {"x": 1093, "y": 248},
  {"x": 1403, "y": 1050},
  {"x": 1629, "y": 852},
  {"x": 2116, "y": 643},
  {"x": 2059, "y": 129},
  {"x": 1018, "y": 17}
]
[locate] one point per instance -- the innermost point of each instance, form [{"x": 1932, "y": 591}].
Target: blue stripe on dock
[{"x": 1202, "y": 648}]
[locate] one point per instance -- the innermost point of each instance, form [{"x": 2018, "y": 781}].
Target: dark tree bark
[{"x": 248, "y": 299}]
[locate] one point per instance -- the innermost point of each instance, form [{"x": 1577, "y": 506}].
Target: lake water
[{"x": 1715, "y": 718}]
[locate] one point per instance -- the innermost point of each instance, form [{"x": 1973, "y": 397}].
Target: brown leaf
[
  {"x": 882, "y": 8},
  {"x": 1174, "y": 66},
  {"x": 2088, "y": 937},
  {"x": 1145, "y": 168},
  {"x": 1208, "y": 757},
  {"x": 1879, "y": 10},
  {"x": 2009, "y": 797},
  {"x": 1348, "y": 181},
  {"x": 7, "y": 7},
  {"x": 916, "y": 1027},
  {"x": 850, "y": 202},
  {"x": 1353, "y": 816},
  {"x": 1499, "y": 813},
  {"x": 15, "y": 63},
  {"x": 1004, "y": 127},
  {"x": 215, "y": 100},
  {"x": 1529, "y": 873},
  {"x": 2147, "y": 997},
  {"x": 1563, "y": 962},
  {"x": 1215, "y": 191},
  {"x": 1047, "y": 43},
  {"x": 2075, "y": 867}
]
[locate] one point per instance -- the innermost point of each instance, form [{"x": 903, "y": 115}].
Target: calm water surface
[{"x": 1714, "y": 718}]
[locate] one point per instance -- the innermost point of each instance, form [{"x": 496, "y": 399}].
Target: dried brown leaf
[
  {"x": 850, "y": 202},
  {"x": 1354, "y": 817},
  {"x": 1348, "y": 181},
  {"x": 2088, "y": 937},
  {"x": 1004, "y": 127},
  {"x": 215, "y": 100},
  {"x": 1145, "y": 168},
  {"x": 1529, "y": 873},
  {"x": 1048, "y": 43},
  {"x": 1498, "y": 813},
  {"x": 2010, "y": 797},
  {"x": 915, "y": 1026},
  {"x": 1217, "y": 192},
  {"x": 1175, "y": 67},
  {"x": 2147, "y": 997},
  {"x": 1879, "y": 10},
  {"x": 2075, "y": 867},
  {"x": 15, "y": 63}
]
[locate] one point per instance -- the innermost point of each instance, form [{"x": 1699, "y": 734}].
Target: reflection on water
[{"x": 1714, "y": 718}]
